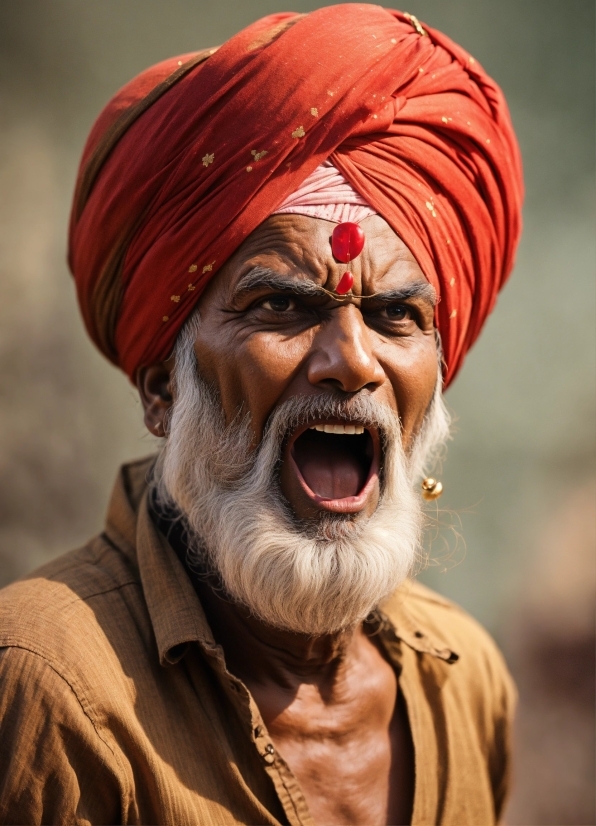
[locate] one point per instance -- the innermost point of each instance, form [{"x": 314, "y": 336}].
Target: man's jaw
[{"x": 332, "y": 466}]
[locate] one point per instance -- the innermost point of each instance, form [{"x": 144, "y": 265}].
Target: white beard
[{"x": 315, "y": 578}]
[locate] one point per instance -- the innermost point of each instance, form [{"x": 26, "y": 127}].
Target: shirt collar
[
  {"x": 174, "y": 608},
  {"x": 397, "y": 622},
  {"x": 176, "y": 613}
]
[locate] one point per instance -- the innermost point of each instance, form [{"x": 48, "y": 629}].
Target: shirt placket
[
  {"x": 285, "y": 783},
  {"x": 404, "y": 647}
]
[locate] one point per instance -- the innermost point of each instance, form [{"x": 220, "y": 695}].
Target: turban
[{"x": 194, "y": 153}]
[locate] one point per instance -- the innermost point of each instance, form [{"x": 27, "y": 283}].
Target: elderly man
[{"x": 288, "y": 243}]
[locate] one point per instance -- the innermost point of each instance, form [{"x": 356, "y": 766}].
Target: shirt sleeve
[
  {"x": 500, "y": 756},
  {"x": 54, "y": 766}
]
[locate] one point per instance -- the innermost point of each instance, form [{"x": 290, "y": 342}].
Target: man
[{"x": 288, "y": 243}]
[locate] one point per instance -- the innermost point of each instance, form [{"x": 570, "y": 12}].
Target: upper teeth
[{"x": 340, "y": 429}]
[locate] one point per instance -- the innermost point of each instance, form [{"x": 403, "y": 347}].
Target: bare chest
[
  {"x": 351, "y": 751},
  {"x": 363, "y": 778}
]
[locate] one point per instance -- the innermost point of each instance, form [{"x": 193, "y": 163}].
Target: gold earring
[{"x": 431, "y": 488}]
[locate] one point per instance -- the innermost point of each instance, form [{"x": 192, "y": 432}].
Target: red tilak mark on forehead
[
  {"x": 347, "y": 242},
  {"x": 345, "y": 284}
]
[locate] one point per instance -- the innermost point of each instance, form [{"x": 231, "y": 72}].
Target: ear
[{"x": 154, "y": 384}]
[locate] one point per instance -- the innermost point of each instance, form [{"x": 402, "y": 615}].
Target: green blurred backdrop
[{"x": 514, "y": 539}]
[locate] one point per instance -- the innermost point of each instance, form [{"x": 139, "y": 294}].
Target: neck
[{"x": 257, "y": 652}]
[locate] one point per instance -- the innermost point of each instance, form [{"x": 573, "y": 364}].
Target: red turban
[{"x": 193, "y": 154}]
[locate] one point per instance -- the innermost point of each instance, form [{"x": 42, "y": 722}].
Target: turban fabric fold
[
  {"x": 327, "y": 195},
  {"x": 193, "y": 154}
]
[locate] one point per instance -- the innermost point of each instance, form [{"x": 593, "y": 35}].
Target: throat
[
  {"x": 333, "y": 466},
  {"x": 260, "y": 654}
]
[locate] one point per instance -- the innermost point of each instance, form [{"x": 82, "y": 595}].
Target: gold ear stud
[{"x": 431, "y": 488}]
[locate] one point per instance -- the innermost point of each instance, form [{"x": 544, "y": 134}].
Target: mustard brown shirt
[{"x": 116, "y": 705}]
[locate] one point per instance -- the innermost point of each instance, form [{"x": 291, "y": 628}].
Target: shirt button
[
  {"x": 269, "y": 756},
  {"x": 418, "y": 634}
]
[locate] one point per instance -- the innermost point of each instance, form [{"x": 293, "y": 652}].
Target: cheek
[
  {"x": 413, "y": 375},
  {"x": 253, "y": 374}
]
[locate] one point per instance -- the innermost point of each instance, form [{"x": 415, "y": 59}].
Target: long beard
[{"x": 312, "y": 578}]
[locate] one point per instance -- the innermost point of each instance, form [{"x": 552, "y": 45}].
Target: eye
[
  {"x": 278, "y": 303},
  {"x": 399, "y": 312}
]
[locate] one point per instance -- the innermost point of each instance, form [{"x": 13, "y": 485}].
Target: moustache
[{"x": 300, "y": 410}]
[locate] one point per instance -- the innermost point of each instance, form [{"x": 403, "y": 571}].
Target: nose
[{"x": 342, "y": 355}]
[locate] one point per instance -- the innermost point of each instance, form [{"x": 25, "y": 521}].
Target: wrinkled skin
[{"x": 331, "y": 704}]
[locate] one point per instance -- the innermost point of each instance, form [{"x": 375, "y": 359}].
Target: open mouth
[{"x": 337, "y": 463}]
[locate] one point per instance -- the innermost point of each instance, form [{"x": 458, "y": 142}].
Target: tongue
[{"x": 330, "y": 472}]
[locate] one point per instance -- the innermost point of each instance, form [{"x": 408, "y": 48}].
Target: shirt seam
[
  {"x": 15, "y": 640},
  {"x": 111, "y": 547},
  {"x": 67, "y": 564},
  {"x": 107, "y": 591}
]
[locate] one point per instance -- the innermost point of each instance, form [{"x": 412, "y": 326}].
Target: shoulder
[
  {"x": 68, "y": 634},
  {"x": 446, "y": 620},
  {"x": 61, "y": 612},
  {"x": 78, "y": 770},
  {"x": 71, "y": 633},
  {"x": 480, "y": 665}
]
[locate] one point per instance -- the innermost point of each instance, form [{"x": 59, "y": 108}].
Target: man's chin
[
  {"x": 305, "y": 625},
  {"x": 331, "y": 527}
]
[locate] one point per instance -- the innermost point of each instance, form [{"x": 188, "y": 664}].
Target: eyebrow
[
  {"x": 419, "y": 289},
  {"x": 263, "y": 277}
]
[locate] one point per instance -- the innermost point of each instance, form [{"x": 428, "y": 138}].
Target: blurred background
[{"x": 516, "y": 534}]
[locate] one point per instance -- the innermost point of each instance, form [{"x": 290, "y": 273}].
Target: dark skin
[{"x": 331, "y": 704}]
